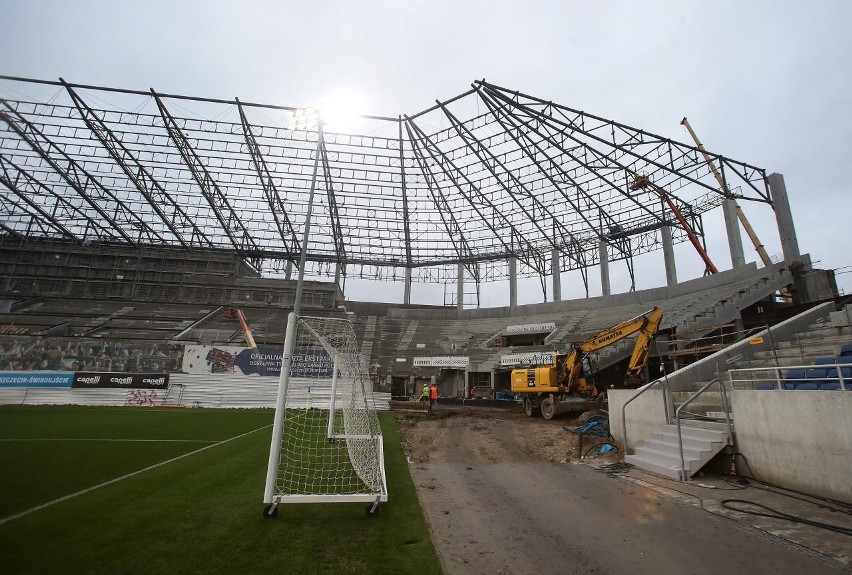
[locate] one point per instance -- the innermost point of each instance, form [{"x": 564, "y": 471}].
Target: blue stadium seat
[
  {"x": 829, "y": 386},
  {"x": 846, "y": 350},
  {"x": 807, "y": 386},
  {"x": 816, "y": 373},
  {"x": 833, "y": 378},
  {"x": 793, "y": 377},
  {"x": 763, "y": 386},
  {"x": 824, "y": 361}
]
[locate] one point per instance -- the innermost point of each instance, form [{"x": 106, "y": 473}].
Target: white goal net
[{"x": 326, "y": 441}]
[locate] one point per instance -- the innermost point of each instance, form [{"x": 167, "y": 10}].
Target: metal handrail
[
  {"x": 725, "y": 408},
  {"x": 624, "y": 408},
  {"x": 844, "y": 381}
]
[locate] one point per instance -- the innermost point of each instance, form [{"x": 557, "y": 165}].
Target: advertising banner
[
  {"x": 90, "y": 379},
  {"x": 56, "y": 354},
  {"x": 31, "y": 379},
  {"x": 442, "y": 361},
  {"x": 263, "y": 361},
  {"x": 531, "y": 328},
  {"x": 530, "y": 358}
]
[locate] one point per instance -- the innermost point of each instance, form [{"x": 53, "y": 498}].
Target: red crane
[{"x": 642, "y": 182}]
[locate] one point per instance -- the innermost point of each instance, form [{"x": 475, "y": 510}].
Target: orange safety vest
[{"x": 433, "y": 392}]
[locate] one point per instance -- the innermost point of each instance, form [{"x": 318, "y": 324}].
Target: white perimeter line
[
  {"x": 117, "y": 479},
  {"x": 12, "y": 440}
]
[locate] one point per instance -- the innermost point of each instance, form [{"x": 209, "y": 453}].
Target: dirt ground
[
  {"x": 506, "y": 494},
  {"x": 494, "y": 436}
]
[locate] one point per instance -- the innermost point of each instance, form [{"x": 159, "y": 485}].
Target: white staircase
[{"x": 702, "y": 440}]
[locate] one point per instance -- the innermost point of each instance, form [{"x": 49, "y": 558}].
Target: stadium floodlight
[
  {"x": 326, "y": 441},
  {"x": 342, "y": 111}
]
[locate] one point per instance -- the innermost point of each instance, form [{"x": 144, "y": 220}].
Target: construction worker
[
  {"x": 433, "y": 395},
  {"x": 424, "y": 393}
]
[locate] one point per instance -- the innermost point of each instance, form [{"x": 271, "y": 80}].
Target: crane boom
[
  {"x": 237, "y": 313},
  {"x": 640, "y": 182},
  {"x": 758, "y": 246},
  {"x": 752, "y": 235}
]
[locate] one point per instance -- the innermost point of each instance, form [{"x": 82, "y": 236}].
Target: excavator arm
[
  {"x": 646, "y": 324},
  {"x": 642, "y": 349},
  {"x": 568, "y": 374}
]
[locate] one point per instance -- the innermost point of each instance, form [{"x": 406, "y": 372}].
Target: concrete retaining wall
[
  {"x": 644, "y": 415},
  {"x": 797, "y": 439}
]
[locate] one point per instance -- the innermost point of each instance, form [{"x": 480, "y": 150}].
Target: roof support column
[
  {"x": 784, "y": 217},
  {"x": 732, "y": 225},
  {"x": 604, "y": 257},
  {"x": 513, "y": 281},
  {"x": 557, "y": 279},
  {"x": 668, "y": 256},
  {"x": 460, "y": 287},
  {"x": 406, "y": 298}
]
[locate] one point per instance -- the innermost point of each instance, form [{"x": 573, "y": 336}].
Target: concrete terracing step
[
  {"x": 701, "y": 442},
  {"x": 661, "y": 447},
  {"x": 407, "y": 336},
  {"x": 367, "y": 340},
  {"x": 665, "y": 466}
]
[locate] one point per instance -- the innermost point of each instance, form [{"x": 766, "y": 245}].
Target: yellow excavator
[{"x": 556, "y": 388}]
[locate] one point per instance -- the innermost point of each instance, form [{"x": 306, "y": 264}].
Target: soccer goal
[{"x": 326, "y": 442}]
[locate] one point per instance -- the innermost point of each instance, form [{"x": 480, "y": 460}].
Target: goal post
[{"x": 326, "y": 443}]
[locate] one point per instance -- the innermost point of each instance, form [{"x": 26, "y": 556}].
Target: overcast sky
[{"x": 768, "y": 83}]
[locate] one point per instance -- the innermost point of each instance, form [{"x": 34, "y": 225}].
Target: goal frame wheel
[{"x": 270, "y": 512}]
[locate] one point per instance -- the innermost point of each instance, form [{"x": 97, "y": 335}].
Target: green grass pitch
[{"x": 201, "y": 513}]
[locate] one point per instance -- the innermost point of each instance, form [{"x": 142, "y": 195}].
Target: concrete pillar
[
  {"x": 288, "y": 270},
  {"x": 784, "y": 217},
  {"x": 466, "y": 384},
  {"x": 406, "y": 298},
  {"x": 337, "y": 273},
  {"x": 460, "y": 288},
  {"x": 604, "y": 257},
  {"x": 557, "y": 279},
  {"x": 668, "y": 256},
  {"x": 735, "y": 240},
  {"x": 513, "y": 282}
]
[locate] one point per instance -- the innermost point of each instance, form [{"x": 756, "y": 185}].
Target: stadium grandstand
[{"x": 133, "y": 223}]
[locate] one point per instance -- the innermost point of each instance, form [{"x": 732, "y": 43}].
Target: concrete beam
[
  {"x": 406, "y": 298},
  {"x": 513, "y": 282},
  {"x": 784, "y": 217},
  {"x": 460, "y": 288},
  {"x": 604, "y": 259},
  {"x": 555, "y": 266},
  {"x": 732, "y": 226},
  {"x": 668, "y": 256}
]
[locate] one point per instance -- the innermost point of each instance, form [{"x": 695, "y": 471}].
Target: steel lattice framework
[{"x": 486, "y": 176}]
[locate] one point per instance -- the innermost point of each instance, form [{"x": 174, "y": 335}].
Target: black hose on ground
[
  {"x": 839, "y": 506},
  {"x": 774, "y": 514}
]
